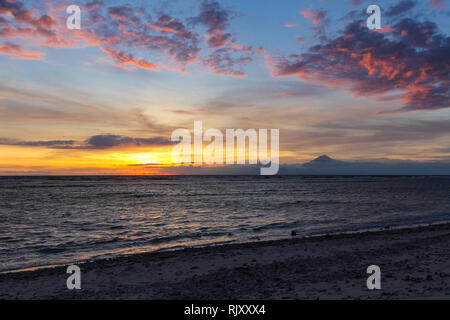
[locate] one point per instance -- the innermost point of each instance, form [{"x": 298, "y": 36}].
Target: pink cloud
[
  {"x": 18, "y": 52},
  {"x": 407, "y": 66},
  {"x": 315, "y": 16},
  {"x": 130, "y": 35}
]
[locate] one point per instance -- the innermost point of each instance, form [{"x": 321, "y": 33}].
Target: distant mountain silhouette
[
  {"x": 321, "y": 161},
  {"x": 326, "y": 165}
]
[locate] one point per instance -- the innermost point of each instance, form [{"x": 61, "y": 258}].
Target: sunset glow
[{"x": 105, "y": 99}]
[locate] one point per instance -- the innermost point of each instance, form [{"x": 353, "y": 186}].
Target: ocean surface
[{"x": 56, "y": 220}]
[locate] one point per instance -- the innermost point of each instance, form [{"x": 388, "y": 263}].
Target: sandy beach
[{"x": 414, "y": 262}]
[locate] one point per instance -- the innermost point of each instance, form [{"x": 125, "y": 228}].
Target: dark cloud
[
  {"x": 121, "y": 12},
  {"x": 410, "y": 64},
  {"x": 420, "y": 35},
  {"x": 94, "y": 4},
  {"x": 111, "y": 140},
  {"x": 400, "y": 8},
  {"x": 216, "y": 19},
  {"x": 95, "y": 142},
  {"x": 49, "y": 143}
]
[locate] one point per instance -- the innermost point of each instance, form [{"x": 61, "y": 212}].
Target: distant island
[{"x": 326, "y": 165}]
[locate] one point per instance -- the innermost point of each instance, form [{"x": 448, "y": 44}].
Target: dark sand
[{"x": 415, "y": 264}]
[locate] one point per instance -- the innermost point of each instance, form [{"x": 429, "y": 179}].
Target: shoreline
[
  {"x": 331, "y": 266},
  {"x": 175, "y": 249}
]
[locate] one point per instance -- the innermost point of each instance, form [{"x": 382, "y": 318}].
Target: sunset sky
[{"x": 106, "y": 98}]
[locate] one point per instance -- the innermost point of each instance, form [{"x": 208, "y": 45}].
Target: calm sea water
[{"x": 53, "y": 220}]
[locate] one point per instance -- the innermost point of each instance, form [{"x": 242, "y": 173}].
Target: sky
[{"x": 105, "y": 99}]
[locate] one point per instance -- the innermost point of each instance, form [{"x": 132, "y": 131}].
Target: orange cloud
[
  {"x": 407, "y": 66},
  {"x": 315, "y": 16},
  {"x": 385, "y": 29},
  {"x": 129, "y": 59},
  {"x": 18, "y": 52}
]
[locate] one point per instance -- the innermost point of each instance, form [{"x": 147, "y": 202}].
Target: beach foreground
[{"x": 414, "y": 262}]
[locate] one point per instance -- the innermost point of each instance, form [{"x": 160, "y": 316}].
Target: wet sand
[{"x": 414, "y": 262}]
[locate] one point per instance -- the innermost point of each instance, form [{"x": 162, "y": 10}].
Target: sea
[{"x": 56, "y": 220}]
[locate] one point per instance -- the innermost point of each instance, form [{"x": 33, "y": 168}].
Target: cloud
[
  {"x": 49, "y": 143},
  {"x": 319, "y": 20},
  {"x": 29, "y": 104},
  {"x": 400, "y": 8},
  {"x": 121, "y": 12},
  {"x": 111, "y": 140},
  {"x": 133, "y": 37},
  {"x": 408, "y": 65},
  {"x": 18, "y": 52},
  {"x": 129, "y": 59},
  {"x": 168, "y": 24},
  {"x": 223, "y": 60},
  {"x": 16, "y": 21},
  {"x": 385, "y": 29},
  {"x": 126, "y": 32},
  {"x": 315, "y": 16},
  {"x": 216, "y": 19},
  {"x": 22, "y": 15},
  {"x": 94, "y": 142},
  {"x": 94, "y": 4},
  {"x": 178, "y": 43}
]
